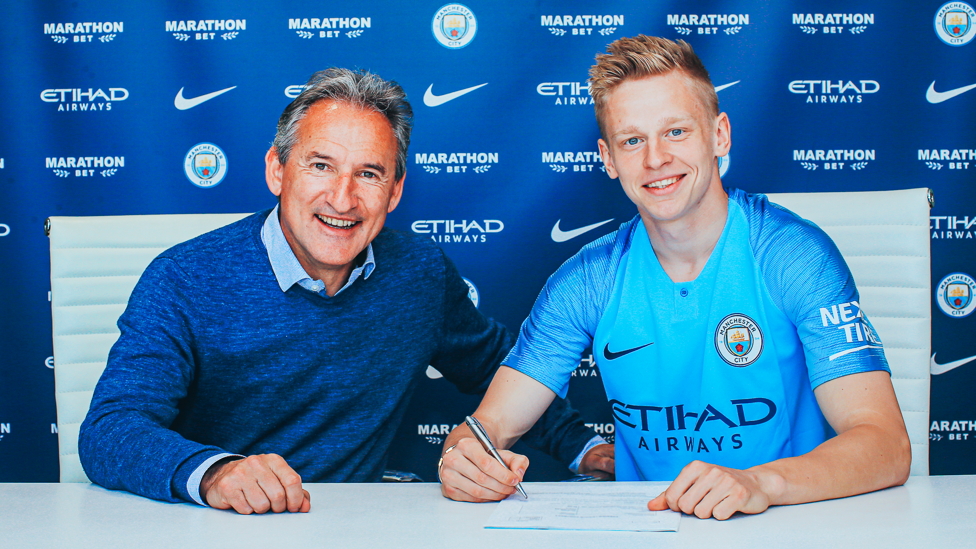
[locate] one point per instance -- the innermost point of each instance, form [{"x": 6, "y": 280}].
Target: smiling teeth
[
  {"x": 662, "y": 183},
  {"x": 333, "y": 222}
]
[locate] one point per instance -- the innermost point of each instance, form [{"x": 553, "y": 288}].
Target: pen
[{"x": 482, "y": 436}]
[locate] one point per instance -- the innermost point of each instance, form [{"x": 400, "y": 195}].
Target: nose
[
  {"x": 656, "y": 155},
  {"x": 343, "y": 197}
]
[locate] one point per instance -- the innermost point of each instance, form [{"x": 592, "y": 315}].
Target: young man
[{"x": 705, "y": 311}]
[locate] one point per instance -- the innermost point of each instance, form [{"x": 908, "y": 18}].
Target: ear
[
  {"x": 395, "y": 193},
  {"x": 272, "y": 171},
  {"x": 723, "y": 135},
  {"x": 607, "y": 159}
]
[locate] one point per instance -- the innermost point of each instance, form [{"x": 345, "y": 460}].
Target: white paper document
[{"x": 585, "y": 506}]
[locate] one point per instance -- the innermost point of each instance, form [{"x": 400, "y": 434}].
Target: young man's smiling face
[
  {"x": 662, "y": 143},
  {"x": 337, "y": 187}
]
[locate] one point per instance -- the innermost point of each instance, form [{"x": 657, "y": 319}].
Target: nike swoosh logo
[
  {"x": 720, "y": 88},
  {"x": 937, "y": 97},
  {"x": 938, "y": 369},
  {"x": 432, "y": 100},
  {"x": 610, "y": 355},
  {"x": 559, "y": 235},
  {"x": 183, "y": 103}
]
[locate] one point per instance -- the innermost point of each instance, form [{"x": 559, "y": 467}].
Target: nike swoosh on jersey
[
  {"x": 610, "y": 355},
  {"x": 720, "y": 88},
  {"x": 183, "y": 103},
  {"x": 432, "y": 100},
  {"x": 933, "y": 96},
  {"x": 558, "y": 235},
  {"x": 938, "y": 369}
]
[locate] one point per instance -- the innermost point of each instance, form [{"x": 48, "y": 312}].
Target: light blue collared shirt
[{"x": 288, "y": 271}]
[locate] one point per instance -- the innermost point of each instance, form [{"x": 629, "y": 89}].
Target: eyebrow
[
  {"x": 663, "y": 122},
  {"x": 313, "y": 155}
]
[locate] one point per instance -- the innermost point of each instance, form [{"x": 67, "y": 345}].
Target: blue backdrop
[{"x": 100, "y": 103}]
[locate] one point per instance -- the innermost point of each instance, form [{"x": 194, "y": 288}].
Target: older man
[
  {"x": 295, "y": 337},
  {"x": 705, "y": 311}
]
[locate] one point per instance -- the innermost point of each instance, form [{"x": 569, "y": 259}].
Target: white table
[{"x": 938, "y": 512}]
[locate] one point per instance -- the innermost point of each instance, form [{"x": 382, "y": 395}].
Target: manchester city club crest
[
  {"x": 738, "y": 340},
  {"x": 955, "y": 295},
  {"x": 454, "y": 26},
  {"x": 472, "y": 292},
  {"x": 954, "y": 23},
  {"x": 205, "y": 165}
]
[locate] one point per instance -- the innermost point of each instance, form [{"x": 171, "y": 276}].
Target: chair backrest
[
  {"x": 884, "y": 237},
  {"x": 95, "y": 263}
]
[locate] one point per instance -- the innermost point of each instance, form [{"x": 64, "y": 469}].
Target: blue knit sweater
[{"x": 213, "y": 357}]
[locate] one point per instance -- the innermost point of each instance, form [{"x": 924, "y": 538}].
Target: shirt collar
[{"x": 288, "y": 271}]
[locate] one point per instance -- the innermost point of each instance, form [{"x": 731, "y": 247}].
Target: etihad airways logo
[
  {"x": 84, "y": 166},
  {"x": 712, "y": 23},
  {"x": 829, "y": 91},
  {"x": 79, "y": 99},
  {"x": 955, "y": 159},
  {"x": 330, "y": 27},
  {"x": 952, "y": 227},
  {"x": 582, "y": 25},
  {"x": 83, "y": 32},
  {"x": 834, "y": 159},
  {"x": 445, "y": 231},
  {"x": 833, "y": 23},
  {"x": 567, "y": 93},
  {"x": 206, "y": 29},
  {"x": 456, "y": 162}
]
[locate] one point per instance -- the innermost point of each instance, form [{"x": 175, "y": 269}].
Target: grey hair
[{"x": 359, "y": 88}]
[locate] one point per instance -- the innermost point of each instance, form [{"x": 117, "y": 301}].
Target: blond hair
[{"x": 643, "y": 56}]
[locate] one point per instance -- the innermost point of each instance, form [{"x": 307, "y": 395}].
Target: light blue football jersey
[{"x": 720, "y": 369}]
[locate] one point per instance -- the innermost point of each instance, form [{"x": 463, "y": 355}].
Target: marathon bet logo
[
  {"x": 581, "y": 161},
  {"x": 955, "y": 159},
  {"x": 567, "y": 93},
  {"x": 958, "y": 429},
  {"x": 84, "y": 166},
  {"x": 828, "y": 91},
  {"x": 954, "y": 23},
  {"x": 445, "y": 231},
  {"x": 83, "y": 32},
  {"x": 78, "y": 99},
  {"x": 833, "y": 23},
  {"x": 834, "y": 159},
  {"x": 433, "y": 432},
  {"x": 729, "y": 23},
  {"x": 580, "y": 25},
  {"x": 206, "y": 29},
  {"x": 330, "y": 27},
  {"x": 952, "y": 227},
  {"x": 456, "y": 162}
]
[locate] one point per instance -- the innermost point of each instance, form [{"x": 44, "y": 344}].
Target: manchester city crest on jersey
[
  {"x": 205, "y": 165},
  {"x": 955, "y": 295},
  {"x": 454, "y": 26},
  {"x": 738, "y": 340}
]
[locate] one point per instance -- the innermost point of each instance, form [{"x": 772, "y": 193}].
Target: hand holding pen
[
  {"x": 468, "y": 471},
  {"x": 482, "y": 436}
]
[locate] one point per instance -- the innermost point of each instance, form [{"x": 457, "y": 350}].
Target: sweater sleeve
[
  {"x": 125, "y": 441},
  {"x": 472, "y": 346}
]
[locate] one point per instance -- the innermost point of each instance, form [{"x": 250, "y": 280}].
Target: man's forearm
[{"x": 865, "y": 458}]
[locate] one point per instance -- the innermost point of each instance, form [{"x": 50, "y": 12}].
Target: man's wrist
[
  {"x": 209, "y": 472},
  {"x": 771, "y": 482}
]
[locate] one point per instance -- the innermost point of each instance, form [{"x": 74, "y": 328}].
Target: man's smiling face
[
  {"x": 336, "y": 188},
  {"x": 662, "y": 143}
]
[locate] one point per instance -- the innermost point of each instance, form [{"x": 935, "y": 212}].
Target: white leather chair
[
  {"x": 884, "y": 237},
  {"x": 95, "y": 263}
]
